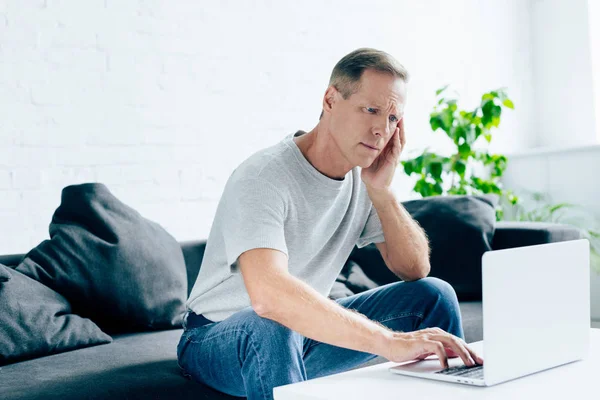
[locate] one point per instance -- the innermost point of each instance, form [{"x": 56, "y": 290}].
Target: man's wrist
[
  {"x": 385, "y": 341},
  {"x": 381, "y": 198}
]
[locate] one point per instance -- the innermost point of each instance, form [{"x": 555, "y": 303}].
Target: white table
[{"x": 574, "y": 381}]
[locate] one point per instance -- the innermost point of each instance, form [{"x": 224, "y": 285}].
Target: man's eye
[{"x": 371, "y": 110}]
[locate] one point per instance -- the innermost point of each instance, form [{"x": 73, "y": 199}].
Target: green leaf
[
  {"x": 452, "y": 106},
  {"x": 500, "y": 163},
  {"x": 457, "y": 133},
  {"x": 496, "y": 110},
  {"x": 508, "y": 103},
  {"x": 408, "y": 167},
  {"x": 464, "y": 150},
  {"x": 423, "y": 187},
  {"x": 435, "y": 168},
  {"x": 442, "y": 119},
  {"x": 437, "y": 92},
  {"x": 460, "y": 167},
  {"x": 435, "y": 122},
  {"x": 559, "y": 206}
]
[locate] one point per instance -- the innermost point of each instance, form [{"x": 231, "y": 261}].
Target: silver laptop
[{"x": 536, "y": 315}]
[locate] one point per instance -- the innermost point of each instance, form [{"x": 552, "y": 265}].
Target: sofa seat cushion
[
  {"x": 133, "y": 366},
  {"x": 472, "y": 319}
]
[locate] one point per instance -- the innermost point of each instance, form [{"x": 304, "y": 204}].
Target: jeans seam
[
  {"x": 260, "y": 363},
  {"x": 402, "y": 315}
]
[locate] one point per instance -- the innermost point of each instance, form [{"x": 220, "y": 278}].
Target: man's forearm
[
  {"x": 301, "y": 308},
  {"x": 406, "y": 243}
]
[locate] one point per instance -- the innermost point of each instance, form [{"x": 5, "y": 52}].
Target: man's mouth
[{"x": 369, "y": 147}]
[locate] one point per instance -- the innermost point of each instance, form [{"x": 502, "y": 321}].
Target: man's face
[{"x": 363, "y": 124}]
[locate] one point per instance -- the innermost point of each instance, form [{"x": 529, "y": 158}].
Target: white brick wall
[{"x": 161, "y": 100}]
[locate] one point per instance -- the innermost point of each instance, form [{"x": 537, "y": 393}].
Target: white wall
[
  {"x": 594, "y": 25},
  {"x": 161, "y": 100},
  {"x": 562, "y": 72},
  {"x": 566, "y": 66}
]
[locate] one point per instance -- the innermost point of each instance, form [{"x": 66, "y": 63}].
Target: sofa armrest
[{"x": 510, "y": 234}]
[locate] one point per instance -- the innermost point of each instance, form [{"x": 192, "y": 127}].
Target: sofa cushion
[
  {"x": 119, "y": 269},
  {"x": 133, "y": 366},
  {"x": 36, "y": 321},
  {"x": 4, "y": 274},
  {"x": 459, "y": 228},
  {"x": 472, "y": 319},
  {"x": 353, "y": 278}
]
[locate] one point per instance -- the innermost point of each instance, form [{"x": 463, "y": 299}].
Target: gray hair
[{"x": 346, "y": 74}]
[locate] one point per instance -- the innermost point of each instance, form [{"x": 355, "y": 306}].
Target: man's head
[{"x": 363, "y": 104}]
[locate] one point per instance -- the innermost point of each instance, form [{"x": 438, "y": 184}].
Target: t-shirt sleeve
[
  {"x": 373, "y": 231},
  {"x": 253, "y": 218}
]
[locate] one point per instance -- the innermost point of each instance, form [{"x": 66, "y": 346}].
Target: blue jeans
[{"x": 247, "y": 355}]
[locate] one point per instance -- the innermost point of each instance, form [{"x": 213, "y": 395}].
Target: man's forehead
[{"x": 385, "y": 100}]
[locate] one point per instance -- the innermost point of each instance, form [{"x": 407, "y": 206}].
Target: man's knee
[
  {"x": 439, "y": 292},
  {"x": 436, "y": 287}
]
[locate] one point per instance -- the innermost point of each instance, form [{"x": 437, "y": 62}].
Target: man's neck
[{"x": 321, "y": 151}]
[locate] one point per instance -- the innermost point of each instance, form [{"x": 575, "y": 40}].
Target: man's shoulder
[{"x": 268, "y": 164}]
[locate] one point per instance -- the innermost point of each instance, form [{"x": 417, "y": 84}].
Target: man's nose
[{"x": 381, "y": 128}]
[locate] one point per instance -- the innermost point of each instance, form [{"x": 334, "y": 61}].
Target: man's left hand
[{"x": 379, "y": 175}]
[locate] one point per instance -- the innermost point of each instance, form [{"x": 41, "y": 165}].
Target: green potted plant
[{"x": 467, "y": 171}]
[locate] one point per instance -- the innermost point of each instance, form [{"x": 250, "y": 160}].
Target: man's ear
[{"x": 329, "y": 98}]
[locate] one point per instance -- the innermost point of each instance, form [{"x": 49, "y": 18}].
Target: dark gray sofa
[{"x": 143, "y": 365}]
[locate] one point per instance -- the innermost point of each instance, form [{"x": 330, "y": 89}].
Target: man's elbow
[
  {"x": 260, "y": 308},
  {"x": 266, "y": 307},
  {"x": 416, "y": 272}
]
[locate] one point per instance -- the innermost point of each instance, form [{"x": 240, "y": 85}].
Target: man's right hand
[{"x": 406, "y": 346}]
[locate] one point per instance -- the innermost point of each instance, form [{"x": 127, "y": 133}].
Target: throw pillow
[
  {"x": 119, "y": 269},
  {"x": 459, "y": 228},
  {"x": 36, "y": 321}
]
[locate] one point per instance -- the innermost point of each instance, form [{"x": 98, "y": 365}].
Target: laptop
[{"x": 536, "y": 315}]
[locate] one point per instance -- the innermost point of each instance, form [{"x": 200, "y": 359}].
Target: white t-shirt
[{"x": 276, "y": 199}]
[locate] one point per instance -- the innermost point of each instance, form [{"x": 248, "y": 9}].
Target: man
[{"x": 258, "y": 314}]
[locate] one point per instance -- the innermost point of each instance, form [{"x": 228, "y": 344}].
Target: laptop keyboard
[{"x": 475, "y": 372}]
